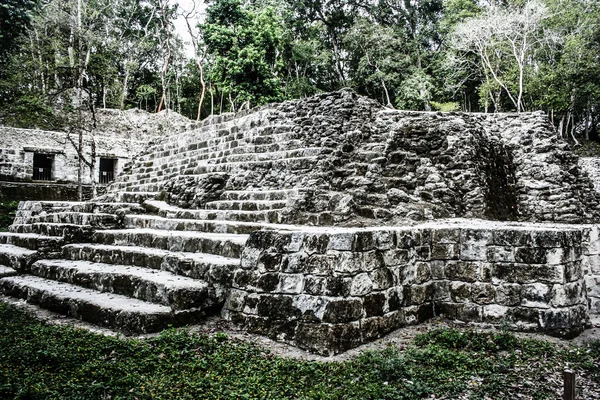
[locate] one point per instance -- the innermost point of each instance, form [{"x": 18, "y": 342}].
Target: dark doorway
[
  {"x": 107, "y": 170},
  {"x": 42, "y": 167}
]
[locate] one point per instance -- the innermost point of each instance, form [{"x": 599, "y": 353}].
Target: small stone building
[{"x": 44, "y": 165}]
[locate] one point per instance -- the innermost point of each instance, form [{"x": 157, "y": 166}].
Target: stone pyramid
[{"x": 324, "y": 222}]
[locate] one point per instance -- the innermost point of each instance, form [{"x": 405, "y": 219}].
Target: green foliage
[
  {"x": 39, "y": 361},
  {"x": 445, "y": 107},
  {"x": 8, "y": 211}
]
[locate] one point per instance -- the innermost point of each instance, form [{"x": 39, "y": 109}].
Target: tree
[
  {"x": 245, "y": 48},
  {"x": 504, "y": 41},
  {"x": 15, "y": 20}
]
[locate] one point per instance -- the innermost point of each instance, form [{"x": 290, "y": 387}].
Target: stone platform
[{"x": 325, "y": 223}]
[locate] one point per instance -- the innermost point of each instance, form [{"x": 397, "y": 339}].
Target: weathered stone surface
[{"x": 338, "y": 159}]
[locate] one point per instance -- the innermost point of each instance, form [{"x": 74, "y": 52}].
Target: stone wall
[
  {"x": 359, "y": 164},
  {"x": 328, "y": 291},
  {"x": 20, "y": 145}
]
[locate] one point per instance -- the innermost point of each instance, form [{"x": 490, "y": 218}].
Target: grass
[{"x": 40, "y": 361}]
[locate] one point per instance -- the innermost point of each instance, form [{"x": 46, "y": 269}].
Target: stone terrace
[{"x": 325, "y": 223}]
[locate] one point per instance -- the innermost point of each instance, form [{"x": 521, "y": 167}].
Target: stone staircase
[{"x": 134, "y": 263}]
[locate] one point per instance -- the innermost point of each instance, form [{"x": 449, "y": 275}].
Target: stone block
[
  {"x": 445, "y": 251},
  {"x": 384, "y": 240},
  {"x": 500, "y": 254},
  {"x": 395, "y": 297},
  {"x": 315, "y": 243},
  {"x": 555, "y": 318},
  {"x": 338, "y": 286},
  {"x": 591, "y": 239},
  {"x": 524, "y": 316},
  {"x": 437, "y": 269},
  {"x": 267, "y": 282},
  {"x": 372, "y": 260},
  {"x": 512, "y": 237},
  {"x": 294, "y": 263},
  {"x": 525, "y": 273},
  {"x": 269, "y": 261},
  {"x": 235, "y": 300},
  {"x": 441, "y": 291},
  {"x": 418, "y": 294},
  {"x": 494, "y": 313},
  {"x": 568, "y": 294},
  {"x": 315, "y": 285},
  {"x": 422, "y": 253},
  {"x": 343, "y": 310},
  {"x": 591, "y": 264},
  {"x": 290, "y": 283},
  {"x": 508, "y": 294},
  {"x": 295, "y": 242},
  {"x": 460, "y": 292},
  {"x": 282, "y": 330},
  {"x": 473, "y": 244},
  {"x": 328, "y": 339},
  {"x": 363, "y": 241},
  {"x": 446, "y": 308},
  {"x": 530, "y": 255},
  {"x": 249, "y": 258},
  {"x": 594, "y": 305},
  {"x": 406, "y": 239},
  {"x": 592, "y": 284},
  {"x": 446, "y": 236},
  {"x": 251, "y": 303},
  {"x": 361, "y": 285},
  {"x": 462, "y": 271},
  {"x": 547, "y": 238},
  {"x": 395, "y": 257},
  {"x": 483, "y": 293},
  {"x": 374, "y": 304},
  {"x": 341, "y": 241},
  {"x": 416, "y": 273},
  {"x": 321, "y": 264},
  {"x": 419, "y": 313},
  {"x": 245, "y": 279},
  {"x": 277, "y": 307},
  {"x": 469, "y": 312},
  {"x": 536, "y": 295},
  {"x": 312, "y": 308},
  {"x": 382, "y": 278},
  {"x": 573, "y": 271},
  {"x": 349, "y": 263}
]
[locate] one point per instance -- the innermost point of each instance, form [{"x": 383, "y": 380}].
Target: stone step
[
  {"x": 16, "y": 257},
  {"x": 54, "y": 229},
  {"x": 246, "y": 205},
  {"x": 260, "y": 195},
  {"x": 231, "y": 151},
  {"x": 291, "y": 161},
  {"x": 127, "y": 197},
  {"x": 108, "y": 207},
  {"x": 98, "y": 220},
  {"x": 265, "y": 216},
  {"x": 106, "y": 309},
  {"x": 268, "y": 156},
  {"x": 288, "y": 164},
  {"x": 208, "y": 267},
  {"x": 7, "y": 271},
  {"x": 155, "y": 286},
  {"x": 223, "y": 244},
  {"x": 31, "y": 241},
  {"x": 214, "y": 226}
]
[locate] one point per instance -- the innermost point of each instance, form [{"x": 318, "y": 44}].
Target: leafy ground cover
[
  {"x": 43, "y": 361},
  {"x": 7, "y": 214}
]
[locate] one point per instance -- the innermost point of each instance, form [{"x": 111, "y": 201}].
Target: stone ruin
[{"x": 325, "y": 223}]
